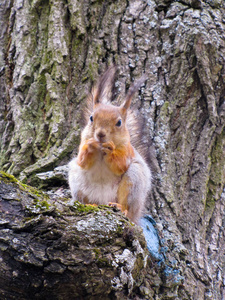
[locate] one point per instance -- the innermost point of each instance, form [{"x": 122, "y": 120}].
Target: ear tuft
[
  {"x": 102, "y": 91},
  {"x": 132, "y": 90}
]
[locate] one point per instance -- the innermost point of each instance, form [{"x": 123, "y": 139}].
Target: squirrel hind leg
[
  {"x": 133, "y": 189},
  {"x": 124, "y": 193}
]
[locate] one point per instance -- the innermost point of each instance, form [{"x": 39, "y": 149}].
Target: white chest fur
[{"x": 98, "y": 184}]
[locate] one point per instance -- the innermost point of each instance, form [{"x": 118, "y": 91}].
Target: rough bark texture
[
  {"x": 50, "y": 250},
  {"x": 50, "y": 51}
]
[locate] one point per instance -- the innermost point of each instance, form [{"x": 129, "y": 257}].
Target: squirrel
[{"x": 108, "y": 169}]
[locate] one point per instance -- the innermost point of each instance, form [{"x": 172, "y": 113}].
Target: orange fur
[
  {"x": 123, "y": 193},
  {"x": 118, "y": 159},
  {"x": 87, "y": 154}
]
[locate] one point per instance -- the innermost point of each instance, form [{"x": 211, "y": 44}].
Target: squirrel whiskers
[{"x": 108, "y": 168}]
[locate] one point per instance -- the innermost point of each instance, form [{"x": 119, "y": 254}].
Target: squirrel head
[{"x": 106, "y": 121}]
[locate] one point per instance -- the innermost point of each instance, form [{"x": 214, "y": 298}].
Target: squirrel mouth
[{"x": 101, "y": 139}]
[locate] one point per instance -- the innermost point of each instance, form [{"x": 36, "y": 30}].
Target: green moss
[
  {"x": 216, "y": 178},
  {"x": 7, "y": 177},
  {"x": 189, "y": 81},
  {"x": 31, "y": 190},
  {"x": 38, "y": 206},
  {"x": 40, "y": 199},
  {"x": 29, "y": 219},
  {"x": 85, "y": 208},
  {"x": 108, "y": 212},
  {"x": 44, "y": 204},
  {"x": 210, "y": 201},
  {"x": 92, "y": 70},
  {"x": 119, "y": 230},
  {"x": 165, "y": 109},
  {"x": 131, "y": 223},
  {"x": 103, "y": 262},
  {"x": 97, "y": 252}
]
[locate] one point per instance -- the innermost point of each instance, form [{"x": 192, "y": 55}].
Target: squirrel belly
[{"x": 96, "y": 185}]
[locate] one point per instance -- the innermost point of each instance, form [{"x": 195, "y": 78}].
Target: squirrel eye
[
  {"x": 91, "y": 118},
  {"x": 119, "y": 123}
]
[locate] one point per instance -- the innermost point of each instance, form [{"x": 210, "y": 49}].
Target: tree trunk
[{"x": 51, "y": 51}]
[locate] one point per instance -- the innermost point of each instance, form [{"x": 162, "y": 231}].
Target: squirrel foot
[
  {"x": 119, "y": 206},
  {"x": 114, "y": 204}
]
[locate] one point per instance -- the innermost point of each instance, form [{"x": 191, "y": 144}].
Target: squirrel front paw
[
  {"x": 108, "y": 147},
  {"x": 92, "y": 145},
  {"x": 87, "y": 153}
]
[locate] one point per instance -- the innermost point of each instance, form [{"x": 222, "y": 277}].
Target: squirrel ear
[
  {"x": 132, "y": 90},
  {"x": 102, "y": 91}
]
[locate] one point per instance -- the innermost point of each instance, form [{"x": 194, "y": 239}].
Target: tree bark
[
  {"x": 52, "y": 251},
  {"x": 51, "y": 51}
]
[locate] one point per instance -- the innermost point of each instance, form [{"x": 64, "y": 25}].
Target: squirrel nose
[{"x": 101, "y": 135}]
